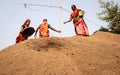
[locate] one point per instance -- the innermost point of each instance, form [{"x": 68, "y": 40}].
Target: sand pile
[{"x": 98, "y": 54}]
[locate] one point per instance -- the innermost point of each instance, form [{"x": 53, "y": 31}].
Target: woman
[
  {"x": 44, "y": 29},
  {"x": 20, "y": 37},
  {"x": 78, "y": 21}
]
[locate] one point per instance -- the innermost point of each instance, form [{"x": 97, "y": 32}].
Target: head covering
[
  {"x": 73, "y": 7},
  {"x": 44, "y": 19},
  {"x": 28, "y": 20}
]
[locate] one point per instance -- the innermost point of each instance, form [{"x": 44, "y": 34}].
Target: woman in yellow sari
[{"x": 44, "y": 29}]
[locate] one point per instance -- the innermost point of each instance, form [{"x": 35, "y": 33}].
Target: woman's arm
[
  {"x": 21, "y": 30},
  {"x": 55, "y": 29},
  {"x": 69, "y": 20},
  {"x": 36, "y": 31}
]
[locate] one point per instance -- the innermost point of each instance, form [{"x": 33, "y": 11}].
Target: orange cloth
[{"x": 44, "y": 31}]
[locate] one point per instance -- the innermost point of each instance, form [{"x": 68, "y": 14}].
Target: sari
[
  {"x": 79, "y": 23},
  {"x": 44, "y": 31}
]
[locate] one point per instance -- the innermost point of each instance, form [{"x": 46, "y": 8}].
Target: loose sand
[{"x": 98, "y": 54}]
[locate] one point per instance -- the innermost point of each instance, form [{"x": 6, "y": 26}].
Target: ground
[{"x": 98, "y": 54}]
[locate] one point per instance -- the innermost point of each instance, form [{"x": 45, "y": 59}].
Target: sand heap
[{"x": 98, "y": 54}]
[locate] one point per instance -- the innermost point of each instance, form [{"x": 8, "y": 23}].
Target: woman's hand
[
  {"x": 59, "y": 31},
  {"x": 64, "y": 22}
]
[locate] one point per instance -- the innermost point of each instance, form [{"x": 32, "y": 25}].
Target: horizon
[{"x": 14, "y": 14}]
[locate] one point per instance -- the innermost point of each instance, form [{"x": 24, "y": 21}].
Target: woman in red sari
[
  {"x": 20, "y": 37},
  {"x": 78, "y": 21}
]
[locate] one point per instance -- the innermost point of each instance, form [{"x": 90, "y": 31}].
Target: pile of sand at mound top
[
  {"x": 98, "y": 54},
  {"x": 23, "y": 60}
]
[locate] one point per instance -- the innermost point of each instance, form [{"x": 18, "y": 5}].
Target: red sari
[
  {"x": 79, "y": 23},
  {"x": 19, "y": 38}
]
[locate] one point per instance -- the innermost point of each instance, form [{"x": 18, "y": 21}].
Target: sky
[{"x": 13, "y": 14}]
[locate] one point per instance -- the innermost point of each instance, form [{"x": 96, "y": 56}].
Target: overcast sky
[{"x": 13, "y": 14}]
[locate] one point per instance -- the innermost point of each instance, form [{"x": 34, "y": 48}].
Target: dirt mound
[{"x": 98, "y": 54}]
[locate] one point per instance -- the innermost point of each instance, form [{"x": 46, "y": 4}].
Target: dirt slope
[{"x": 98, "y": 54}]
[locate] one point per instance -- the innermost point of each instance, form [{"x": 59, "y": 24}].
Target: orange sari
[{"x": 44, "y": 32}]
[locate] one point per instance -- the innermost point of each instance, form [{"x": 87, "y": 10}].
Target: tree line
[{"x": 110, "y": 13}]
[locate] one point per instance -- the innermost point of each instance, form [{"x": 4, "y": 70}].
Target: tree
[
  {"x": 110, "y": 14},
  {"x": 103, "y": 29}
]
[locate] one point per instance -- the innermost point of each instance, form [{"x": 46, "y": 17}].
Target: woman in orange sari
[
  {"x": 44, "y": 29},
  {"x": 78, "y": 21}
]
